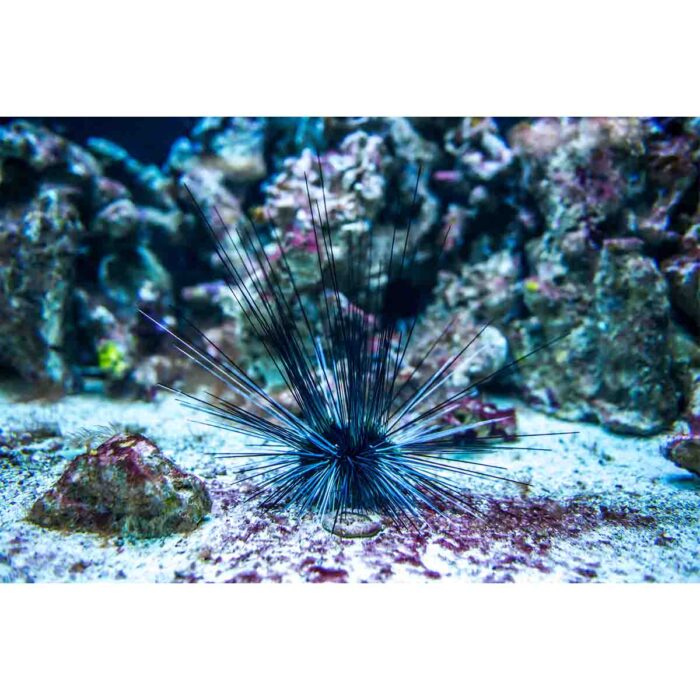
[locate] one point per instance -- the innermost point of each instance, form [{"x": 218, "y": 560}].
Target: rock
[
  {"x": 582, "y": 169},
  {"x": 29, "y": 149},
  {"x": 683, "y": 275},
  {"x": 486, "y": 354},
  {"x": 134, "y": 277},
  {"x": 233, "y": 147},
  {"x": 637, "y": 391},
  {"x": 686, "y": 368},
  {"x": 107, "y": 190},
  {"x": 474, "y": 410},
  {"x": 595, "y": 281},
  {"x": 45, "y": 183},
  {"x": 119, "y": 219},
  {"x": 478, "y": 148},
  {"x": 489, "y": 288},
  {"x": 672, "y": 176},
  {"x": 63, "y": 212},
  {"x": 354, "y": 178},
  {"x": 493, "y": 212},
  {"x": 464, "y": 303},
  {"x": 38, "y": 243},
  {"x": 148, "y": 184},
  {"x": 221, "y": 207},
  {"x": 612, "y": 192},
  {"x": 684, "y": 451},
  {"x": 124, "y": 486},
  {"x": 616, "y": 363},
  {"x": 409, "y": 144}
]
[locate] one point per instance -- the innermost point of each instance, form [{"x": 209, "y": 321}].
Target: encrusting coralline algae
[{"x": 125, "y": 486}]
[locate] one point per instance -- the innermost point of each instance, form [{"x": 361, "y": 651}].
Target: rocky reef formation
[
  {"x": 595, "y": 279},
  {"x": 77, "y": 255},
  {"x": 613, "y": 360},
  {"x": 123, "y": 486},
  {"x": 579, "y": 235},
  {"x": 41, "y": 182}
]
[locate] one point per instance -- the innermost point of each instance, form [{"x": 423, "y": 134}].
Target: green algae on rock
[{"x": 124, "y": 486}]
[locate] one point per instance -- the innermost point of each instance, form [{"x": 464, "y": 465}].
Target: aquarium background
[
  {"x": 542, "y": 226},
  {"x": 581, "y": 230}
]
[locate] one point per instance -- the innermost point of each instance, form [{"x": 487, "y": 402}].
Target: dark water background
[{"x": 147, "y": 139}]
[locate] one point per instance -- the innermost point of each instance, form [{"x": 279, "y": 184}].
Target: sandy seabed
[{"x": 601, "y": 507}]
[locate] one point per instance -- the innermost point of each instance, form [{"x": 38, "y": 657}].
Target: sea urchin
[{"x": 360, "y": 437}]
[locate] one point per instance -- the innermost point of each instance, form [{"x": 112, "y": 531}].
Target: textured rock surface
[
  {"x": 43, "y": 179},
  {"x": 76, "y": 236},
  {"x": 38, "y": 242},
  {"x": 486, "y": 354},
  {"x": 124, "y": 486},
  {"x": 549, "y": 227},
  {"x": 683, "y": 274},
  {"x": 684, "y": 451},
  {"x": 632, "y": 312},
  {"x": 233, "y": 147},
  {"x": 595, "y": 279},
  {"x": 615, "y": 366}
]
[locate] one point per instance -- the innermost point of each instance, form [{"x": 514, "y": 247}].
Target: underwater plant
[{"x": 360, "y": 437}]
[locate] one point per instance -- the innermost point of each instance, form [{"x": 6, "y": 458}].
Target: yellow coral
[
  {"x": 111, "y": 359},
  {"x": 532, "y": 285},
  {"x": 258, "y": 215}
]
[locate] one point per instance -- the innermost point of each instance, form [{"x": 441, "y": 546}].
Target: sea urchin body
[{"x": 361, "y": 436}]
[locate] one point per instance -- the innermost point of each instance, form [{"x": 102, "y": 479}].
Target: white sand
[{"x": 652, "y": 532}]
